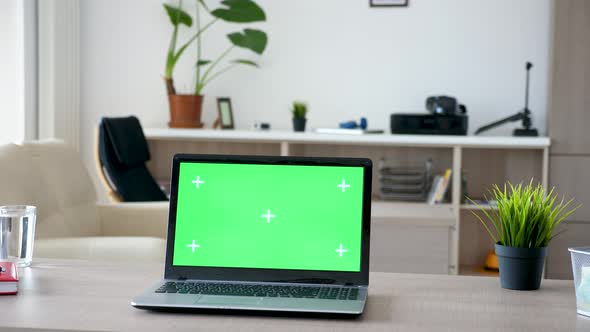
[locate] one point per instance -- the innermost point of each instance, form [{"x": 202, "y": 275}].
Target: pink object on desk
[{"x": 8, "y": 278}]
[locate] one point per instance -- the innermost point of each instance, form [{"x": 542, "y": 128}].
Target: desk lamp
[{"x": 525, "y": 115}]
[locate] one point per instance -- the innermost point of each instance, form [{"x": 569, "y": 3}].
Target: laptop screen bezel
[{"x": 270, "y": 275}]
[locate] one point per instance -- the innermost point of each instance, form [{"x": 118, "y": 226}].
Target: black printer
[{"x": 446, "y": 117}]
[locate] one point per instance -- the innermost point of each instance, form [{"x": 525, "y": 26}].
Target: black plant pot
[
  {"x": 521, "y": 268},
  {"x": 299, "y": 124}
]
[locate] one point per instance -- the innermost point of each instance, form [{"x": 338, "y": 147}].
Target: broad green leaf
[
  {"x": 246, "y": 62},
  {"x": 240, "y": 11},
  {"x": 178, "y": 16},
  {"x": 203, "y": 63},
  {"x": 254, "y": 40}
]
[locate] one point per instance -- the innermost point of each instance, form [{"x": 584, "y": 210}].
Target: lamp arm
[{"x": 516, "y": 117}]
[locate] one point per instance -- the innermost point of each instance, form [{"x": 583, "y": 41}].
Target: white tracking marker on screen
[
  {"x": 343, "y": 185},
  {"x": 268, "y": 216},
  {"x": 341, "y": 250},
  {"x": 193, "y": 245},
  {"x": 197, "y": 182}
]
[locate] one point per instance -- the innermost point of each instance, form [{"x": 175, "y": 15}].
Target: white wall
[
  {"x": 12, "y": 119},
  {"x": 344, "y": 58}
]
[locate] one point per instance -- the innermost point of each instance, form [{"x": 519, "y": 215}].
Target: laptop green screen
[{"x": 269, "y": 216}]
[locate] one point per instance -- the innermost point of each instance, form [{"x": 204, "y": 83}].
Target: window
[{"x": 17, "y": 70}]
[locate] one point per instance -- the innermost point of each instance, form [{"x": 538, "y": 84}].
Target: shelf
[
  {"x": 277, "y": 136},
  {"x": 391, "y": 218},
  {"x": 475, "y": 207},
  {"x": 470, "y": 270},
  {"x": 412, "y": 213}
]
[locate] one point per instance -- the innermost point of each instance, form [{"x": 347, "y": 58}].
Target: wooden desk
[{"x": 80, "y": 295}]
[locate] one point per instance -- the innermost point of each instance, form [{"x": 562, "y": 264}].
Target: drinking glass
[
  {"x": 17, "y": 233},
  {"x": 581, "y": 270}
]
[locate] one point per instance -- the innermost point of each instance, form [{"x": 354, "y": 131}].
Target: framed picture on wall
[
  {"x": 388, "y": 3},
  {"x": 225, "y": 114}
]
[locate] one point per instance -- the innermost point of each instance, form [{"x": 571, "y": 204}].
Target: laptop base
[
  {"x": 250, "y": 313},
  {"x": 150, "y": 300}
]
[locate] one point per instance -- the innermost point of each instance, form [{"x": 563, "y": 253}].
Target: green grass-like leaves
[
  {"x": 299, "y": 109},
  {"x": 526, "y": 217}
]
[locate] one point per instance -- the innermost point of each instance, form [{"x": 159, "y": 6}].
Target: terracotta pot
[{"x": 185, "y": 111}]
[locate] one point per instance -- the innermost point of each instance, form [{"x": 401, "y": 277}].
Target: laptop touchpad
[{"x": 228, "y": 300}]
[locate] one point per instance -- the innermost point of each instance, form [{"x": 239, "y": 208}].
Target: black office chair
[{"x": 122, "y": 154}]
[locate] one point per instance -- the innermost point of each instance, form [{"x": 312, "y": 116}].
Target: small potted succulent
[
  {"x": 299, "y": 111},
  {"x": 522, "y": 225}
]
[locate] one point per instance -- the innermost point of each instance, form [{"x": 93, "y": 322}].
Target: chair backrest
[
  {"x": 122, "y": 154},
  {"x": 51, "y": 176},
  {"x": 107, "y": 184}
]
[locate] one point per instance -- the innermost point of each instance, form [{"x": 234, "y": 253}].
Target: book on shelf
[
  {"x": 433, "y": 188},
  {"x": 439, "y": 188},
  {"x": 8, "y": 278}
]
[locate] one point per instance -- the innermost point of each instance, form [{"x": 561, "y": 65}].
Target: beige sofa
[{"x": 70, "y": 223}]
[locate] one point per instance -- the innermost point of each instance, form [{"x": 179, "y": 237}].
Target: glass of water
[{"x": 17, "y": 233}]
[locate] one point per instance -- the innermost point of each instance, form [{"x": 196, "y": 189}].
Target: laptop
[{"x": 266, "y": 233}]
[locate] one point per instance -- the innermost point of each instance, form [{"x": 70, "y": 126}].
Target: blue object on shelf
[
  {"x": 348, "y": 125},
  {"x": 363, "y": 123},
  {"x": 354, "y": 125}
]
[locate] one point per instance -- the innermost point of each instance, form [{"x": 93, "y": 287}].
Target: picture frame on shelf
[
  {"x": 389, "y": 3},
  {"x": 225, "y": 113}
]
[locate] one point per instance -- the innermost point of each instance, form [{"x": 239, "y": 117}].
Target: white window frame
[
  {"x": 30, "y": 89},
  {"x": 59, "y": 70}
]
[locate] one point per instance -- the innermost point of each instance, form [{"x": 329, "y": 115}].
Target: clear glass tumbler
[
  {"x": 581, "y": 270},
  {"x": 17, "y": 233}
]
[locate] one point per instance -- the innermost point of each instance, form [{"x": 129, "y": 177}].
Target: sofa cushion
[
  {"x": 105, "y": 248},
  {"x": 17, "y": 177},
  {"x": 62, "y": 191}
]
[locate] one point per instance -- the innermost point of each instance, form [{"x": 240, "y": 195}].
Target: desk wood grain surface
[{"x": 95, "y": 296}]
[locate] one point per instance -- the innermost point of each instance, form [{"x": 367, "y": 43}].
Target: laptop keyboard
[{"x": 313, "y": 292}]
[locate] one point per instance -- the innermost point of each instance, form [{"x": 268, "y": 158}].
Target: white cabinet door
[
  {"x": 559, "y": 266},
  {"x": 409, "y": 249}
]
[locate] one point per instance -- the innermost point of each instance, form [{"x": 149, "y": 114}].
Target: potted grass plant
[
  {"x": 522, "y": 226},
  {"x": 299, "y": 112},
  {"x": 186, "y": 108}
]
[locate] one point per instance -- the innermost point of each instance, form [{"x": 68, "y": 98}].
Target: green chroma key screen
[{"x": 269, "y": 216}]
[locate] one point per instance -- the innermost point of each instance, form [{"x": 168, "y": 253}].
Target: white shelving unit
[
  {"x": 475, "y": 207},
  {"x": 164, "y": 142},
  {"x": 287, "y": 137},
  {"x": 413, "y": 214}
]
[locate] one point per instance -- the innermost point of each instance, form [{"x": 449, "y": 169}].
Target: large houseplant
[
  {"x": 185, "y": 109},
  {"x": 521, "y": 227}
]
